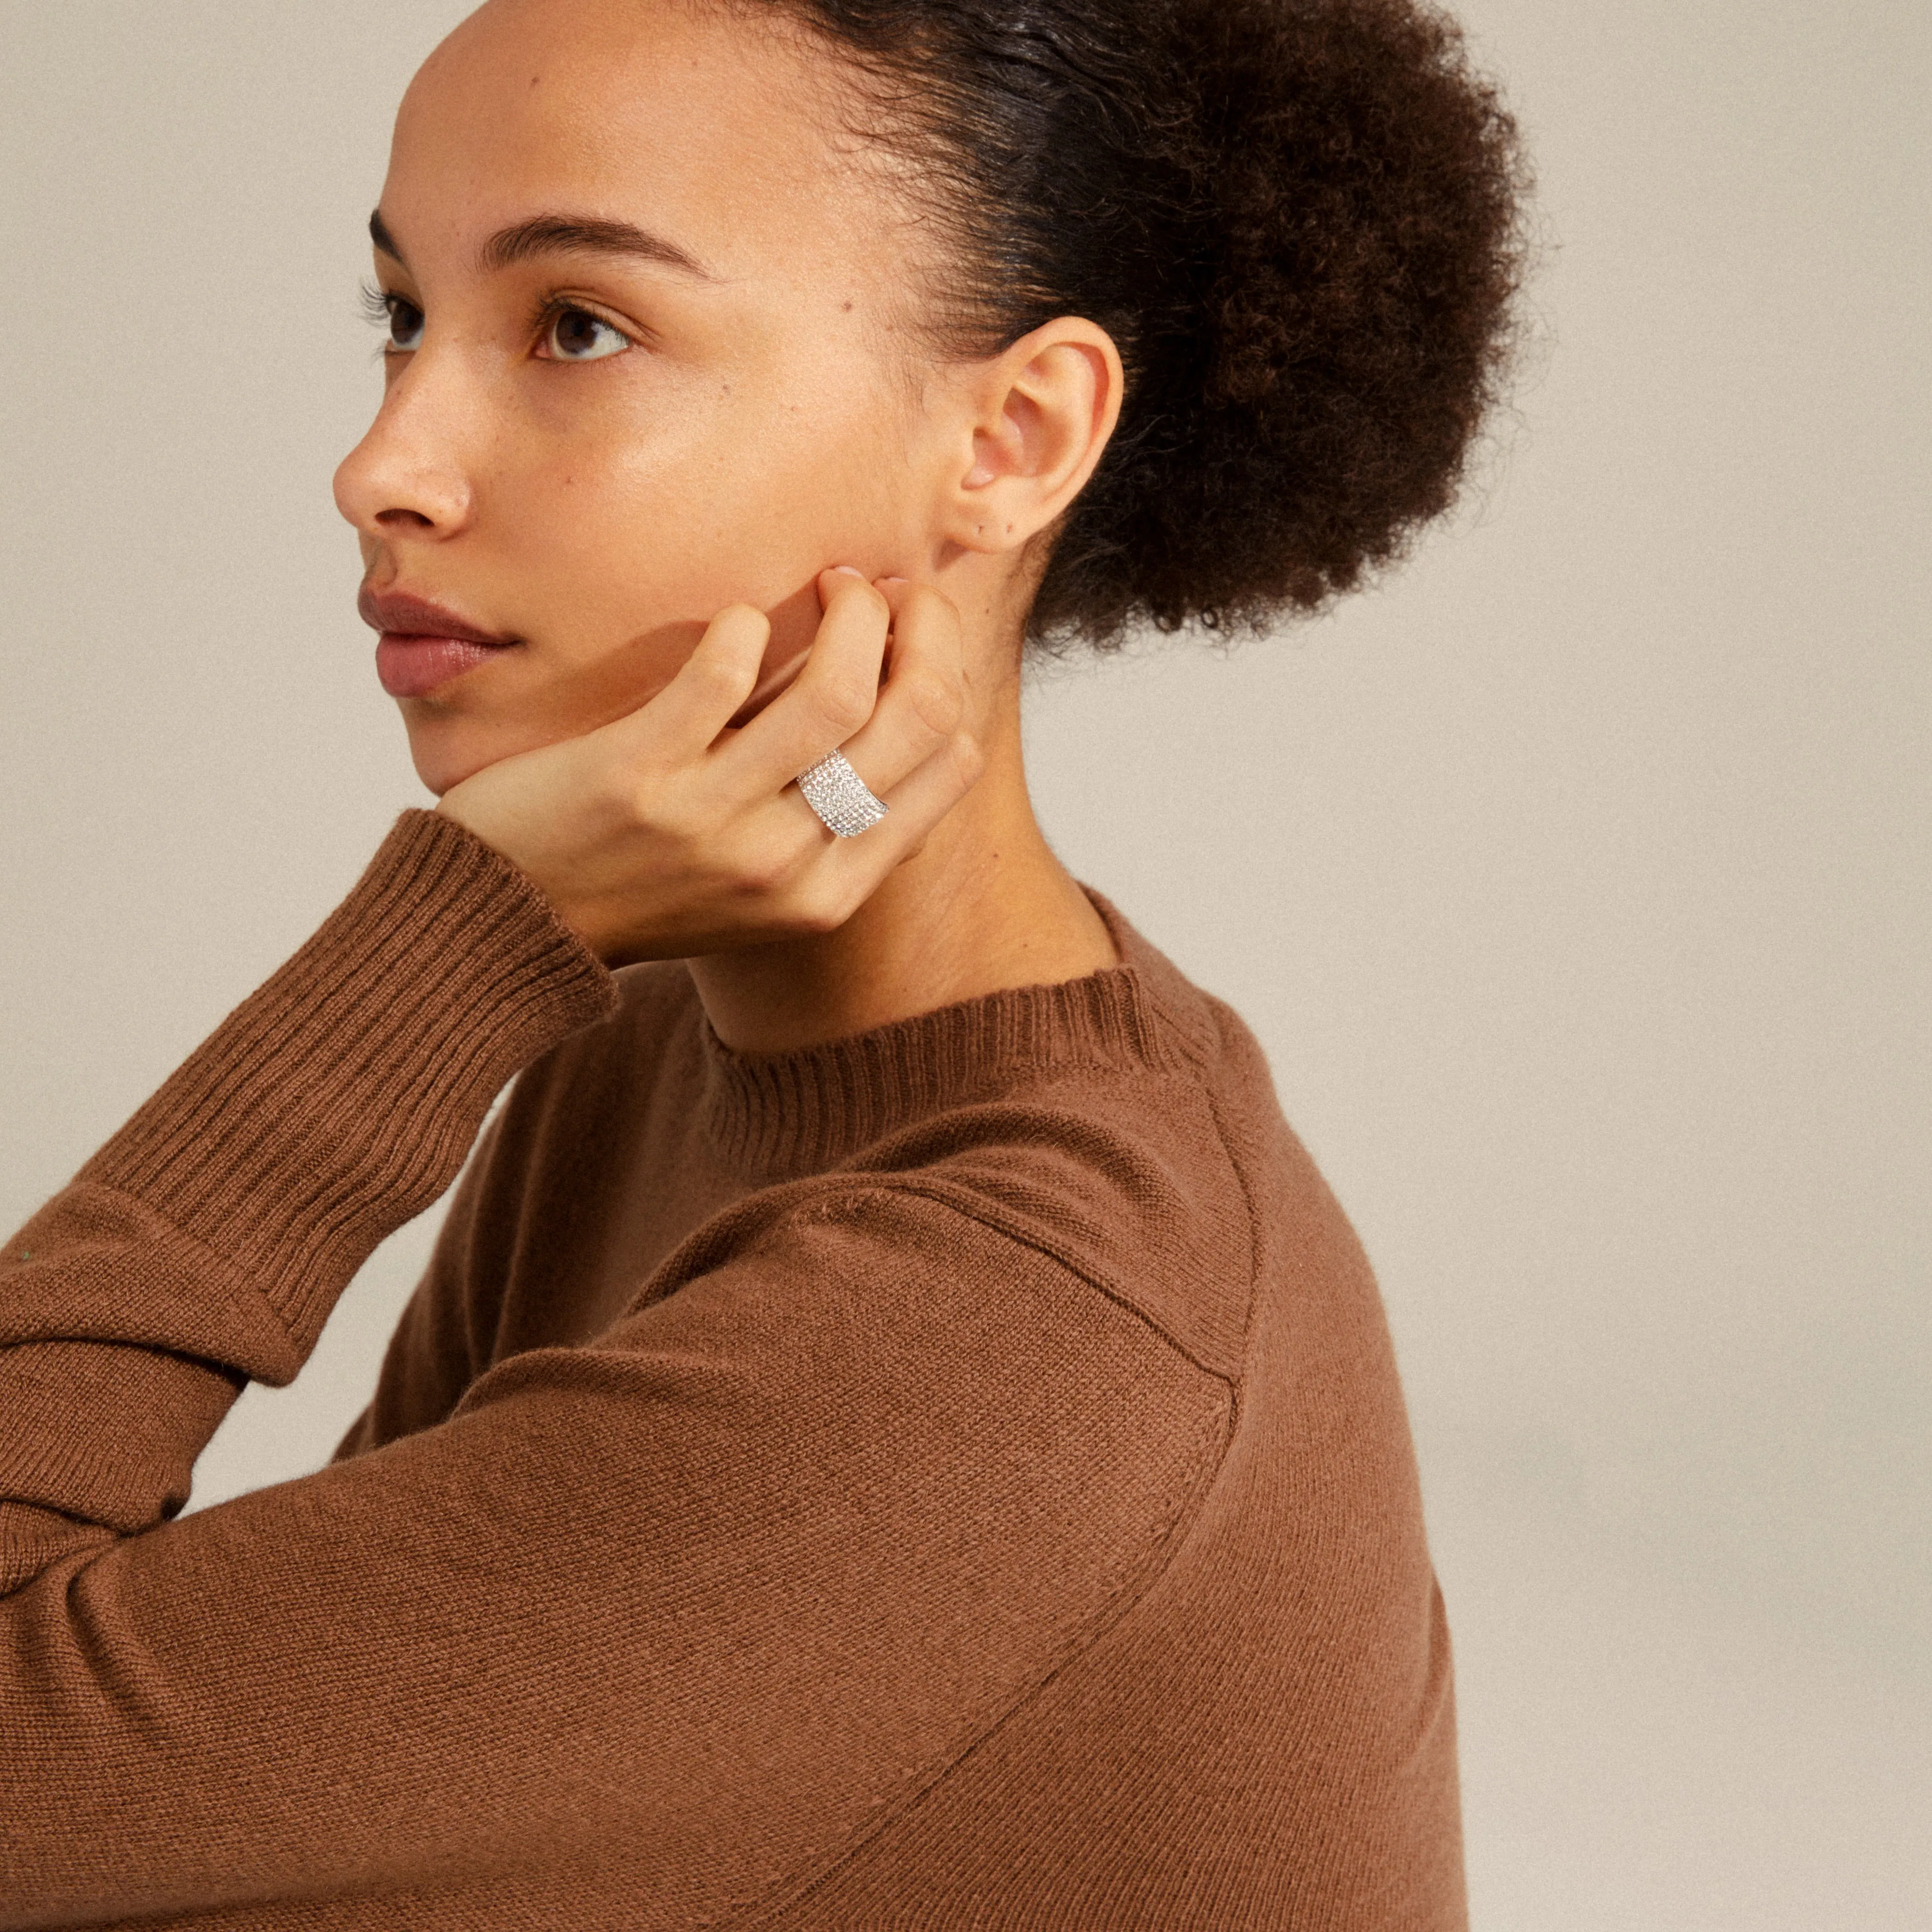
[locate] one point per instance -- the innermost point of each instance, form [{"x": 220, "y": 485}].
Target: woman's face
[{"x": 650, "y": 359}]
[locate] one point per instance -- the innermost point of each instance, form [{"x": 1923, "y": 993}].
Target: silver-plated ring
[{"x": 840, "y": 797}]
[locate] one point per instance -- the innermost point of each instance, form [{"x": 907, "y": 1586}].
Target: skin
[{"x": 641, "y": 470}]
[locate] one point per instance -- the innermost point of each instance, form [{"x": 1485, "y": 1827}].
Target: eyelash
[
  {"x": 379, "y": 308},
  {"x": 375, "y": 303}
]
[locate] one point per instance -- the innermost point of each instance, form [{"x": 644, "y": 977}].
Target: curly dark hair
[{"x": 1301, "y": 221}]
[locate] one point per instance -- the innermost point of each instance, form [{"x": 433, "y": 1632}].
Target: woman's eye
[
  {"x": 397, "y": 314},
  {"x": 405, "y": 326},
  {"x": 576, "y": 335}
]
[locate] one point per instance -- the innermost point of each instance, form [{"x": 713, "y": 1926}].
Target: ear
[{"x": 1037, "y": 418}]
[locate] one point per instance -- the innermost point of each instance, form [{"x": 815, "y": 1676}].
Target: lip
[
  {"x": 397, "y": 614},
  {"x": 423, "y": 646}
]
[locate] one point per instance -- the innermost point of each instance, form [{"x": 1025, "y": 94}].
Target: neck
[{"x": 982, "y": 906}]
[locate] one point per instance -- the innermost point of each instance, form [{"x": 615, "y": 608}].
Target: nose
[{"x": 407, "y": 477}]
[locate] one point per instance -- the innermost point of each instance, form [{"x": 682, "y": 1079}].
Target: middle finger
[
  {"x": 828, "y": 702},
  {"x": 923, "y": 702}
]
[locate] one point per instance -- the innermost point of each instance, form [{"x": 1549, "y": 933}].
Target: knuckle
[
  {"x": 936, "y": 703},
  {"x": 679, "y": 820},
  {"x": 843, "y": 704},
  {"x": 725, "y": 677},
  {"x": 623, "y": 798},
  {"x": 969, "y": 758},
  {"x": 823, "y": 908},
  {"x": 717, "y": 671},
  {"x": 764, "y": 872},
  {"x": 931, "y": 609}
]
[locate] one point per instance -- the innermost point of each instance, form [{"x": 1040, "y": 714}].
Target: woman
[{"x": 895, "y": 1432}]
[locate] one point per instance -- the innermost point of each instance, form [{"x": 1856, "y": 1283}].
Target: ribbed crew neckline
[{"x": 805, "y": 1110}]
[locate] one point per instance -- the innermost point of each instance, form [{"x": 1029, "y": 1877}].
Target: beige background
[{"x": 1575, "y": 880}]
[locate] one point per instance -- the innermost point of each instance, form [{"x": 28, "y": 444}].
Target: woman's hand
[{"x": 673, "y": 831}]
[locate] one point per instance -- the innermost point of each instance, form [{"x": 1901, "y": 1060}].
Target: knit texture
[{"x": 954, "y": 1476}]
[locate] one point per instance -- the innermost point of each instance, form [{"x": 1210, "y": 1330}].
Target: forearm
[{"x": 205, "y": 1244}]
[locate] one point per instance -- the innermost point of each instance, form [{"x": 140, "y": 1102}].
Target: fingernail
[
  {"x": 895, "y": 579},
  {"x": 846, "y": 570}
]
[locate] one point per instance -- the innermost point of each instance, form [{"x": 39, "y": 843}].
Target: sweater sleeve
[
  {"x": 206, "y": 1244},
  {"x": 704, "y": 1602},
  {"x": 433, "y": 1353}
]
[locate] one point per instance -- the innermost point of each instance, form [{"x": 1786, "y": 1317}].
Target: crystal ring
[{"x": 840, "y": 797}]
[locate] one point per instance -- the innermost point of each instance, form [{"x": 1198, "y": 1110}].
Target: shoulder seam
[
  {"x": 1131, "y": 1587},
  {"x": 1254, "y": 1237},
  {"x": 962, "y": 1201}
]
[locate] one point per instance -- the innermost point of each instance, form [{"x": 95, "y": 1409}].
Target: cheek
[
  {"x": 677, "y": 510},
  {"x": 609, "y": 538}
]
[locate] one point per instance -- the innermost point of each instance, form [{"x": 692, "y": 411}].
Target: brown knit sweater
[{"x": 954, "y": 1476}]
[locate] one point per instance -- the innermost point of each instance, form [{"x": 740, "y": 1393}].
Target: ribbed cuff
[{"x": 338, "y": 1101}]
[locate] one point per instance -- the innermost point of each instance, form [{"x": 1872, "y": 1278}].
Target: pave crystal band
[{"x": 839, "y": 795}]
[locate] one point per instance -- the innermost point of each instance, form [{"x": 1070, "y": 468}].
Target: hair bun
[{"x": 1299, "y": 219}]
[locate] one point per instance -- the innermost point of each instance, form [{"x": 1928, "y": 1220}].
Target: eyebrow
[{"x": 564, "y": 235}]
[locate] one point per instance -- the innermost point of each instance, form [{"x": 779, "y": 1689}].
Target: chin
[{"x": 446, "y": 750}]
